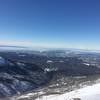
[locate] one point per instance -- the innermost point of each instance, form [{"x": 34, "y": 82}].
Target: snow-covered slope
[
  {"x": 86, "y": 93},
  {"x": 2, "y": 61}
]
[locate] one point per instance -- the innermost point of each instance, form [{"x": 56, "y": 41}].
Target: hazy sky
[{"x": 50, "y": 23}]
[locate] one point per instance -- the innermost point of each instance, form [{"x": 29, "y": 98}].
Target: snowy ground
[{"x": 86, "y": 93}]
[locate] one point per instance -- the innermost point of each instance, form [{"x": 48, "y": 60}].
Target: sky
[{"x": 50, "y": 23}]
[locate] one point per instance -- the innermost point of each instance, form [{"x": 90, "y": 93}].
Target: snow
[
  {"x": 49, "y": 61},
  {"x": 86, "y": 64},
  {"x": 86, "y": 93},
  {"x": 2, "y": 61}
]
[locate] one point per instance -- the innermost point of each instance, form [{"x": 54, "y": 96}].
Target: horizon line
[{"x": 43, "y": 47}]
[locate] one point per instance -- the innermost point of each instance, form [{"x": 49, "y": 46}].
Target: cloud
[
  {"x": 16, "y": 43},
  {"x": 47, "y": 45}
]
